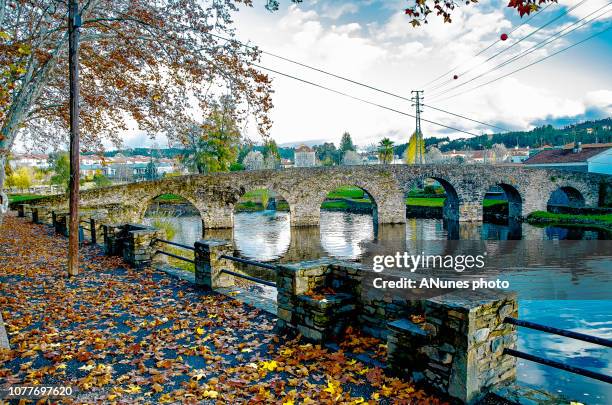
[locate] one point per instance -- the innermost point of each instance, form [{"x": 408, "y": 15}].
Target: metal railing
[
  {"x": 254, "y": 279},
  {"x": 553, "y": 363},
  {"x": 251, "y": 263},
  {"x": 170, "y": 254},
  {"x": 247, "y": 261},
  {"x": 91, "y": 229}
]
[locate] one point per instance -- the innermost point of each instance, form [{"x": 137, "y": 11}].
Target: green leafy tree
[
  {"x": 213, "y": 146},
  {"x": 385, "y": 151},
  {"x": 60, "y": 166},
  {"x": 236, "y": 167},
  {"x": 151, "y": 170},
  {"x": 346, "y": 143},
  {"x": 101, "y": 180},
  {"x": 328, "y": 154},
  {"x": 271, "y": 154}
]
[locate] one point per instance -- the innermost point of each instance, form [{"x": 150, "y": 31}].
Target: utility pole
[
  {"x": 74, "y": 22},
  {"x": 417, "y": 98}
]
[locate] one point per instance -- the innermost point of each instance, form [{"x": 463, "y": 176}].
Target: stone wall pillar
[
  {"x": 305, "y": 308},
  {"x": 208, "y": 263},
  {"x": 458, "y": 348},
  {"x": 41, "y": 214},
  {"x": 22, "y": 210},
  {"x": 138, "y": 248},
  {"x": 60, "y": 222},
  {"x": 113, "y": 245}
]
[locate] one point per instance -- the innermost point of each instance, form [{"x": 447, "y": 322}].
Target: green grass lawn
[
  {"x": 169, "y": 198},
  {"x": 22, "y": 198},
  {"x": 425, "y": 202},
  {"x": 569, "y": 218},
  {"x": 334, "y": 205},
  {"x": 346, "y": 192},
  {"x": 439, "y": 202}
]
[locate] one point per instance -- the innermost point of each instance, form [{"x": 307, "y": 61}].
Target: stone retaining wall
[
  {"x": 453, "y": 342},
  {"x": 135, "y": 243}
]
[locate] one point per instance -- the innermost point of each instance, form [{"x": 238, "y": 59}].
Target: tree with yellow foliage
[{"x": 415, "y": 143}]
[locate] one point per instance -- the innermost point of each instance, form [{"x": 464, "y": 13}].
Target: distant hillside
[{"x": 585, "y": 132}]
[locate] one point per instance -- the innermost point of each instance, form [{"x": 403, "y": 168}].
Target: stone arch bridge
[{"x": 214, "y": 195}]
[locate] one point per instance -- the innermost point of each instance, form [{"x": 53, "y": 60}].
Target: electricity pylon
[{"x": 417, "y": 102}]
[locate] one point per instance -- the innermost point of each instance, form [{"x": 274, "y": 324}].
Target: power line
[
  {"x": 549, "y": 40},
  {"x": 360, "y": 99},
  {"x": 487, "y": 48},
  {"x": 531, "y": 64},
  {"x": 461, "y": 116},
  {"x": 368, "y": 86},
  {"x": 562, "y": 14}
]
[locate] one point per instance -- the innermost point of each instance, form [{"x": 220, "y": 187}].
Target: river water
[{"x": 268, "y": 236}]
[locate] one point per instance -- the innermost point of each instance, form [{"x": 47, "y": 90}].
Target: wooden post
[
  {"x": 92, "y": 227},
  {"x": 74, "y": 22}
]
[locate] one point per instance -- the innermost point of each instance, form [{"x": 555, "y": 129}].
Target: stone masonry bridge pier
[{"x": 304, "y": 189}]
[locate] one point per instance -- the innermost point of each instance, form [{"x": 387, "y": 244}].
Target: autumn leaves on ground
[{"x": 118, "y": 334}]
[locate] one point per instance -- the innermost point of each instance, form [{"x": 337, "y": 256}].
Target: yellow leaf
[
  {"x": 331, "y": 387},
  {"x": 247, "y": 350},
  {"x": 133, "y": 389},
  {"x": 157, "y": 387},
  {"x": 211, "y": 394},
  {"x": 289, "y": 402},
  {"x": 200, "y": 331},
  {"x": 362, "y": 372},
  {"x": 351, "y": 362},
  {"x": 269, "y": 365},
  {"x": 199, "y": 374},
  {"x": 61, "y": 366},
  {"x": 359, "y": 400}
]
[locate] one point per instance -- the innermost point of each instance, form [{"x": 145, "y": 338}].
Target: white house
[
  {"x": 304, "y": 156},
  {"x": 592, "y": 158},
  {"x": 601, "y": 163}
]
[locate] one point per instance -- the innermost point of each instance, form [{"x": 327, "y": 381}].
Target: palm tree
[{"x": 385, "y": 151}]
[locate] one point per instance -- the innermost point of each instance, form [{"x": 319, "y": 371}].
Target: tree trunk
[{"x": 3, "y": 195}]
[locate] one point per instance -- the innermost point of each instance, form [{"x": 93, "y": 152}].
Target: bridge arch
[
  {"x": 565, "y": 196},
  {"x": 511, "y": 194},
  {"x": 150, "y": 200},
  {"x": 452, "y": 201},
  {"x": 285, "y": 194}
]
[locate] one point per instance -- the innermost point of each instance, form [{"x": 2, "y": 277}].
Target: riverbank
[{"x": 603, "y": 221}]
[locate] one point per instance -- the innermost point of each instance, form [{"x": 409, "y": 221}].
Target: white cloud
[{"x": 392, "y": 55}]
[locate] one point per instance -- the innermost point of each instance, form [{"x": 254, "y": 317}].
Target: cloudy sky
[{"x": 371, "y": 41}]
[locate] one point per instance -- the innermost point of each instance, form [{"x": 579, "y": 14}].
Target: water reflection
[{"x": 268, "y": 236}]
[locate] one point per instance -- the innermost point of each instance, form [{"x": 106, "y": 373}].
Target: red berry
[
  {"x": 504, "y": 37},
  {"x": 455, "y": 77}
]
